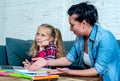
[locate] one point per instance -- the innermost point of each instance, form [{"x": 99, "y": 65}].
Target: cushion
[
  {"x": 17, "y": 51},
  {"x": 68, "y": 45},
  {"x": 118, "y": 42}
]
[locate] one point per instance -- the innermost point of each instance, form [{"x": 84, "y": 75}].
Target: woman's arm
[
  {"x": 87, "y": 72},
  {"x": 63, "y": 61},
  {"x": 66, "y": 71}
]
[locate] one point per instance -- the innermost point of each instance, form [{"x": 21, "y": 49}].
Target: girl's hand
[
  {"x": 43, "y": 44},
  {"x": 38, "y": 62},
  {"x": 62, "y": 71},
  {"x": 26, "y": 64}
]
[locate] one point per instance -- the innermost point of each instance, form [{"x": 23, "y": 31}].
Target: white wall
[
  {"x": 1, "y": 22},
  {"x": 22, "y": 17},
  {"x": 25, "y": 16},
  {"x": 109, "y": 15}
]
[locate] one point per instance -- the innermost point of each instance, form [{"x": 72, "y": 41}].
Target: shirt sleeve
[
  {"x": 51, "y": 52},
  {"x": 72, "y": 54},
  {"x": 106, "y": 53}
]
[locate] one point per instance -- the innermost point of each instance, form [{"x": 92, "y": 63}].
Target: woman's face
[
  {"x": 43, "y": 34},
  {"x": 75, "y": 26}
]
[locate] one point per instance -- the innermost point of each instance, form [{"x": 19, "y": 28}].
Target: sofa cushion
[
  {"x": 17, "y": 50},
  {"x": 118, "y": 42},
  {"x": 68, "y": 45}
]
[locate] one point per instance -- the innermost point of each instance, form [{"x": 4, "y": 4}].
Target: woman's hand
[
  {"x": 26, "y": 64},
  {"x": 38, "y": 62},
  {"x": 62, "y": 71}
]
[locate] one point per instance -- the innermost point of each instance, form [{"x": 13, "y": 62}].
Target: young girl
[{"x": 48, "y": 44}]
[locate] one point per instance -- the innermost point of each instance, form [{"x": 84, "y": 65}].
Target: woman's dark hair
[{"x": 84, "y": 11}]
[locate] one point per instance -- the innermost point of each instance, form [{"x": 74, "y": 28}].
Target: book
[
  {"x": 15, "y": 74},
  {"x": 46, "y": 77}
]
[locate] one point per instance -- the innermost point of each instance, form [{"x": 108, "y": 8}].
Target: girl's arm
[
  {"x": 40, "y": 62},
  {"x": 51, "y": 51}
]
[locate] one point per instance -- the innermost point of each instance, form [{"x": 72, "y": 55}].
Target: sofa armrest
[{"x": 3, "y": 55}]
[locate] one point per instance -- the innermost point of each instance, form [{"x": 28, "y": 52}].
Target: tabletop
[
  {"x": 74, "y": 78},
  {"x": 61, "y": 78}
]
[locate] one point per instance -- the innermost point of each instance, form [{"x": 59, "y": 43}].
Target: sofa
[{"x": 16, "y": 50}]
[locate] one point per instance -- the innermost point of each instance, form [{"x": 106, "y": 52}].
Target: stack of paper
[
  {"x": 39, "y": 74},
  {"x": 23, "y": 73}
]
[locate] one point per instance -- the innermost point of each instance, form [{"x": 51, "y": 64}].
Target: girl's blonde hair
[{"x": 56, "y": 34}]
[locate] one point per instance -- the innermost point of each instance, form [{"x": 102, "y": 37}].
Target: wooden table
[
  {"x": 74, "y": 78},
  {"x": 62, "y": 78}
]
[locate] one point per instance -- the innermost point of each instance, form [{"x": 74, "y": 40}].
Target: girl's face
[
  {"x": 43, "y": 34},
  {"x": 75, "y": 26}
]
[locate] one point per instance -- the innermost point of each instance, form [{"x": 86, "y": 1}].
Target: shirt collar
[{"x": 93, "y": 33}]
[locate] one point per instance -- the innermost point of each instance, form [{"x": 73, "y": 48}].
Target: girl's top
[{"x": 49, "y": 52}]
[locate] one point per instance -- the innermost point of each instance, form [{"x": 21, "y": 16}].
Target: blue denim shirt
[{"x": 104, "y": 53}]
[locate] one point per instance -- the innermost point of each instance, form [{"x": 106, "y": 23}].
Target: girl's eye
[
  {"x": 37, "y": 34},
  {"x": 42, "y": 35}
]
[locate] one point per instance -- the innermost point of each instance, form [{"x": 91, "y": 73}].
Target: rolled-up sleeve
[
  {"x": 106, "y": 52},
  {"x": 71, "y": 56}
]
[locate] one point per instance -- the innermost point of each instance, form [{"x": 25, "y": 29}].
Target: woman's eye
[{"x": 71, "y": 25}]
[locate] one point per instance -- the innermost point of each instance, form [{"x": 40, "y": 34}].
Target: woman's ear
[{"x": 84, "y": 24}]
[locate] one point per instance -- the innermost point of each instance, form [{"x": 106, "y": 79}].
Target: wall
[
  {"x": 26, "y": 16},
  {"x": 22, "y": 17},
  {"x": 1, "y": 21},
  {"x": 109, "y": 15}
]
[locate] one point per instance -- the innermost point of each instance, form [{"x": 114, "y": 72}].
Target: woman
[{"x": 95, "y": 49}]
